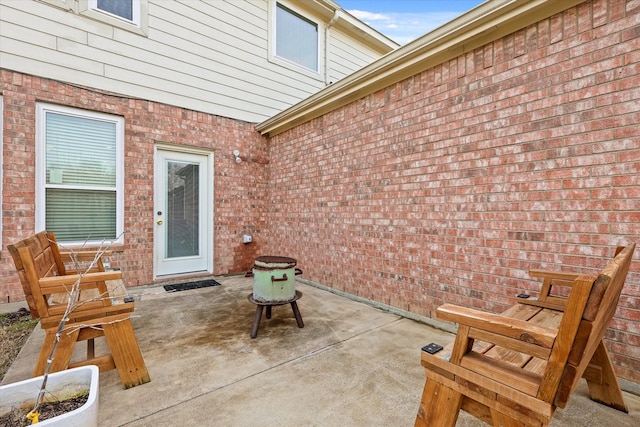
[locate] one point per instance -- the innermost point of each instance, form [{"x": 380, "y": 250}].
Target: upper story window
[
  {"x": 130, "y": 15},
  {"x": 296, "y": 38},
  {"x": 125, "y": 9}
]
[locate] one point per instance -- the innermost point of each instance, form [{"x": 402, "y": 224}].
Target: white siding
[
  {"x": 345, "y": 57},
  {"x": 209, "y": 56}
]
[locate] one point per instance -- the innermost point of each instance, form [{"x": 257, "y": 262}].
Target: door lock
[{"x": 159, "y": 222}]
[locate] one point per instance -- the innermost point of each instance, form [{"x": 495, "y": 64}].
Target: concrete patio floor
[{"x": 351, "y": 365}]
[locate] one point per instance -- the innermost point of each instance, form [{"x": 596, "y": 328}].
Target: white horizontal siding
[
  {"x": 42, "y": 55},
  {"x": 209, "y": 56},
  {"x": 346, "y": 56},
  {"x": 239, "y": 70},
  {"x": 9, "y": 29}
]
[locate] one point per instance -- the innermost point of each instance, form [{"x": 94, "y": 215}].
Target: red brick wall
[
  {"x": 451, "y": 185},
  {"x": 240, "y": 189}
]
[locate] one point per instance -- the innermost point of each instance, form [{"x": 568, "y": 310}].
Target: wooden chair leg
[
  {"x": 607, "y": 392},
  {"x": 439, "y": 406},
  {"x": 44, "y": 354},
  {"x": 62, "y": 355},
  {"x": 126, "y": 353},
  {"x": 91, "y": 349}
]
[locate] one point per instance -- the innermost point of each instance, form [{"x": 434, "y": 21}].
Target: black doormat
[{"x": 191, "y": 285}]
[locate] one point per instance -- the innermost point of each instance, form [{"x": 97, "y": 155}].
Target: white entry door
[{"x": 183, "y": 213}]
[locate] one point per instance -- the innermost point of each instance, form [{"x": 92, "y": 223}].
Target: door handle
[{"x": 159, "y": 222}]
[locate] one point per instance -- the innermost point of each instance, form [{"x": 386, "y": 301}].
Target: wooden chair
[
  {"x": 98, "y": 312},
  {"x": 515, "y": 369}
]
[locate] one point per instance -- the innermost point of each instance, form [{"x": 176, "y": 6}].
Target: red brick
[
  {"x": 530, "y": 158},
  {"x": 446, "y": 187},
  {"x": 145, "y": 123}
]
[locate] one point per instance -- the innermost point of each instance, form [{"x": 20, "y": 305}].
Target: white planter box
[{"x": 62, "y": 384}]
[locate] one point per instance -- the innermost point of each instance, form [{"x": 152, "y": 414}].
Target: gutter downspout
[{"x": 326, "y": 46}]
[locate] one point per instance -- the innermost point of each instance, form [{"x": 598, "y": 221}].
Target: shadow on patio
[{"x": 351, "y": 365}]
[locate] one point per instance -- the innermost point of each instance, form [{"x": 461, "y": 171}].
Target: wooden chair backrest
[
  {"x": 36, "y": 257},
  {"x": 598, "y": 311}
]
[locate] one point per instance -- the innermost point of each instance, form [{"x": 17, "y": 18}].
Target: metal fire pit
[
  {"x": 274, "y": 284},
  {"x": 274, "y": 279}
]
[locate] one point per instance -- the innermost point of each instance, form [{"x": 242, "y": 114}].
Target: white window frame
[
  {"x": 41, "y": 110},
  {"x": 317, "y": 74},
  {"x": 135, "y": 10},
  {"x": 139, "y": 24}
]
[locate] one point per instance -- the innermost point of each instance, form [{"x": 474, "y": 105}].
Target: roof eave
[
  {"x": 340, "y": 18},
  {"x": 374, "y": 38}
]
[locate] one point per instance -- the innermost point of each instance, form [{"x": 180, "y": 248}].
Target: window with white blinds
[
  {"x": 79, "y": 174},
  {"x": 296, "y": 38}
]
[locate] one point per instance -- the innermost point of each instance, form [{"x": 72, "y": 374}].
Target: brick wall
[
  {"x": 451, "y": 185},
  {"x": 240, "y": 189}
]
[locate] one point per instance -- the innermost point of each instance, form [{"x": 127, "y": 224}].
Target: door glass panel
[{"x": 182, "y": 210}]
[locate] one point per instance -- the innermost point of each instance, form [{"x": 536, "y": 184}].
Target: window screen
[
  {"x": 296, "y": 38},
  {"x": 80, "y": 177},
  {"x": 121, "y": 8}
]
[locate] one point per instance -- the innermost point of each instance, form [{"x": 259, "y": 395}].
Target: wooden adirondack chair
[
  {"x": 515, "y": 369},
  {"x": 47, "y": 282}
]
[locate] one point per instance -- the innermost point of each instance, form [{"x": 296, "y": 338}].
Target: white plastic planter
[{"x": 62, "y": 384}]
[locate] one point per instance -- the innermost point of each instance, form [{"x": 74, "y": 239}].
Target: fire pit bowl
[{"x": 274, "y": 279}]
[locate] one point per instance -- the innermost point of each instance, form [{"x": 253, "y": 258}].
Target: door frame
[{"x": 207, "y": 222}]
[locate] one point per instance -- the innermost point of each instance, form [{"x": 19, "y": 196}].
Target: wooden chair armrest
[
  {"x": 498, "y": 325},
  {"x": 69, "y": 280}
]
